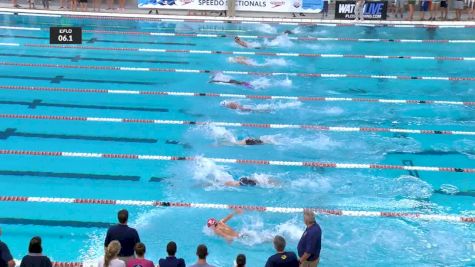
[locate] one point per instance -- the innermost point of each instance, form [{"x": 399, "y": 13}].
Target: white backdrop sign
[{"x": 305, "y": 6}]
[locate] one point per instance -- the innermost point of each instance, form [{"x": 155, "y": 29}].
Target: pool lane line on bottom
[
  {"x": 298, "y": 74},
  {"x": 332, "y": 165},
  {"x": 243, "y": 53},
  {"x": 61, "y": 223},
  {"x": 225, "y": 95},
  {"x": 331, "y": 212},
  {"x": 236, "y": 124}
]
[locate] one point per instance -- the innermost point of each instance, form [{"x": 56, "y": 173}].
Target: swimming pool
[{"x": 142, "y": 88}]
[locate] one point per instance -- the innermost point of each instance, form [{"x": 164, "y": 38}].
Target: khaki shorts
[{"x": 310, "y": 263}]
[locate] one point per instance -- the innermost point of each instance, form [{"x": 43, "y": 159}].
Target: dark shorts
[
  {"x": 82, "y": 1},
  {"x": 443, "y": 4},
  {"x": 425, "y": 5},
  {"x": 325, "y": 7}
]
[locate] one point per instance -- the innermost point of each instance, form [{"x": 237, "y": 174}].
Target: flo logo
[
  {"x": 186, "y": 2},
  {"x": 277, "y": 3}
]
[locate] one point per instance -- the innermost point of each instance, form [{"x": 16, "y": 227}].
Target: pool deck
[{"x": 244, "y": 17}]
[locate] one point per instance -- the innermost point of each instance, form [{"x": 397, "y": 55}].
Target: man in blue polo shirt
[
  {"x": 126, "y": 235},
  {"x": 6, "y": 259},
  {"x": 310, "y": 243}
]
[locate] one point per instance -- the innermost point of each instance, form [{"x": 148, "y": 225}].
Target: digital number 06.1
[{"x": 65, "y": 38}]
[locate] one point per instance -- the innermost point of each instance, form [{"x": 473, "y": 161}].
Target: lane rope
[
  {"x": 296, "y": 74},
  {"x": 236, "y": 124},
  {"x": 317, "y": 164},
  {"x": 332, "y": 39},
  {"x": 321, "y": 211},
  {"x": 295, "y": 38},
  {"x": 246, "y": 53},
  {"x": 225, "y": 95}
]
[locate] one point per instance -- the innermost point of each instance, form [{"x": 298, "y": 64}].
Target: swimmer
[
  {"x": 249, "y": 141},
  {"x": 220, "y": 228},
  {"x": 240, "y": 42},
  {"x": 243, "y": 60},
  {"x": 243, "y": 108},
  {"x": 219, "y": 78},
  {"x": 288, "y": 32},
  {"x": 243, "y": 181}
]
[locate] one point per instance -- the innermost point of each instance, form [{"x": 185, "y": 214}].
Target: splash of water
[
  {"x": 263, "y": 83},
  {"x": 266, "y": 28},
  {"x": 279, "y": 41}
]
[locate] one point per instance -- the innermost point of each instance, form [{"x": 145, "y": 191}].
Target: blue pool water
[{"x": 75, "y": 232}]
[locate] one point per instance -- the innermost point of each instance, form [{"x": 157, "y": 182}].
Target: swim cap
[
  {"x": 212, "y": 222},
  {"x": 253, "y": 141}
]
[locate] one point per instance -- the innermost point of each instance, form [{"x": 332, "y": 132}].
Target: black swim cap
[{"x": 252, "y": 141}]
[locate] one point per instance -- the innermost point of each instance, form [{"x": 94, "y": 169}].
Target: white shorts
[{"x": 458, "y": 4}]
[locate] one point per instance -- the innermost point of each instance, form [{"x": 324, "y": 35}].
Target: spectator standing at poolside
[
  {"x": 140, "y": 260},
  {"x": 6, "y": 259},
  {"x": 111, "y": 258},
  {"x": 458, "y": 9},
  {"x": 126, "y": 236},
  {"x": 96, "y": 5},
  {"x": 110, "y": 4},
  {"x": 425, "y": 5},
  {"x": 359, "y": 10},
  {"x": 122, "y": 5},
  {"x": 310, "y": 243},
  {"x": 15, "y": 4},
  {"x": 444, "y": 9},
  {"x": 434, "y": 7},
  {"x": 171, "y": 260},
  {"x": 35, "y": 258},
  {"x": 399, "y": 7},
  {"x": 202, "y": 253},
  {"x": 282, "y": 258},
  {"x": 411, "y": 4},
  {"x": 231, "y": 8}
]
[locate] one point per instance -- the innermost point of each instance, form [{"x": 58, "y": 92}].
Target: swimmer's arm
[{"x": 227, "y": 218}]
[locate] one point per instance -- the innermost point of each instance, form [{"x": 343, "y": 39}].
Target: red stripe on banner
[
  {"x": 94, "y": 201},
  {"x": 120, "y": 156},
  {"x": 319, "y": 164},
  {"x": 384, "y": 166},
  {"x": 252, "y": 161}
]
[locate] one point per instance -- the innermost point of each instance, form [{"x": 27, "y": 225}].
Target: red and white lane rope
[
  {"x": 295, "y": 38},
  {"x": 298, "y": 74},
  {"x": 224, "y": 95},
  {"x": 236, "y": 124},
  {"x": 331, "y": 212},
  {"x": 236, "y": 161},
  {"x": 331, "y": 39},
  {"x": 241, "y": 53}
]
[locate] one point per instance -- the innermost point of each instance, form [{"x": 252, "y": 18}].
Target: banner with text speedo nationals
[{"x": 305, "y": 6}]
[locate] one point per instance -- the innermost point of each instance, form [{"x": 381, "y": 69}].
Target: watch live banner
[
  {"x": 304, "y": 6},
  {"x": 376, "y": 10}
]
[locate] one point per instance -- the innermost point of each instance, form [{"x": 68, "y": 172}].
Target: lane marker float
[
  {"x": 225, "y": 95},
  {"x": 236, "y": 124},
  {"x": 297, "y": 74},
  {"x": 321, "y": 211}
]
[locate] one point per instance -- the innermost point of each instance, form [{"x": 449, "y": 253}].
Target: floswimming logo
[{"x": 277, "y": 3}]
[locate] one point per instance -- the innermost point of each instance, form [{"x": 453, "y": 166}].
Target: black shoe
[{"x": 302, "y": 14}]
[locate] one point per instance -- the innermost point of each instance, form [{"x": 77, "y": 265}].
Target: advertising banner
[
  {"x": 304, "y": 6},
  {"x": 372, "y": 10}
]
